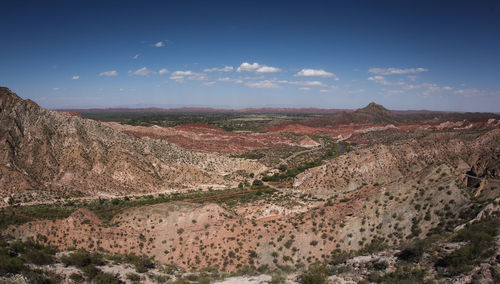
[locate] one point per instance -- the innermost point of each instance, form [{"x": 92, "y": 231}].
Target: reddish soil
[{"x": 206, "y": 138}]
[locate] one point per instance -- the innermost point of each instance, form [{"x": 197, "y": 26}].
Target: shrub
[
  {"x": 76, "y": 277},
  {"x": 106, "y": 278},
  {"x": 401, "y": 275},
  {"x": 481, "y": 244},
  {"x": 90, "y": 271},
  {"x": 133, "y": 277},
  {"x": 39, "y": 257},
  {"x": 141, "y": 263},
  {"x": 315, "y": 274},
  {"x": 10, "y": 264},
  {"x": 41, "y": 276},
  {"x": 257, "y": 182},
  {"x": 82, "y": 258}
]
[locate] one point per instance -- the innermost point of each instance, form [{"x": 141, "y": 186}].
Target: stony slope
[
  {"x": 46, "y": 151},
  {"x": 381, "y": 163},
  {"x": 402, "y": 192}
]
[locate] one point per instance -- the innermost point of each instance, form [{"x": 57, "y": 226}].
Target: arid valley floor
[{"x": 247, "y": 196}]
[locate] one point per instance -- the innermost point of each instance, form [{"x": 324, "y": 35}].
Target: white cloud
[
  {"x": 358, "y": 91},
  {"x": 208, "y": 84},
  {"x": 227, "y": 79},
  {"x": 55, "y": 89},
  {"x": 275, "y": 83},
  {"x": 183, "y": 73},
  {"x": 198, "y": 76},
  {"x": 180, "y": 76},
  {"x": 159, "y": 44},
  {"x": 304, "y": 89},
  {"x": 144, "y": 71},
  {"x": 111, "y": 73},
  {"x": 396, "y": 71},
  {"x": 136, "y": 56},
  {"x": 379, "y": 79},
  {"x": 468, "y": 93},
  {"x": 163, "y": 71},
  {"x": 257, "y": 68},
  {"x": 266, "y": 84},
  {"x": 216, "y": 69},
  {"x": 307, "y": 83},
  {"x": 75, "y": 77},
  {"x": 315, "y": 73},
  {"x": 426, "y": 88},
  {"x": 329, "y": 89}
]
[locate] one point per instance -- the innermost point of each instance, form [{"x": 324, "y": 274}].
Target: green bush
[
  {"x": 141, "y": 263},
  {"x": 76, "y": 277},
  {"x": 39, "y": 257},
  {"x": 133, "y": 277},
  {"x": 257, "y": 182},
  {"x": 480, "y": 238},
  {"x": 41, "y": 276},
  {"x": 90, "y": 271},
  {"x": 402, "y": 275},
  {"x": 315, "y": 274},
  {"x": 82, "y": 258},
  {"x": 106, "y": 278},
  {"x": 10, "y": 264}
]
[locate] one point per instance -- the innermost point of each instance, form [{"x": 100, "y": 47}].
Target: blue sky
[{"x": 439, "y": 55}]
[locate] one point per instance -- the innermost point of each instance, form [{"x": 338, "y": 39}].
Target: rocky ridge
[{"x": 46, "y": 151}]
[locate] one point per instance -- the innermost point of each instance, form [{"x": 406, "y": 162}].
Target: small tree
[
  {"x": 257, "y": 182},
  {"x": 315, "y": 274}
]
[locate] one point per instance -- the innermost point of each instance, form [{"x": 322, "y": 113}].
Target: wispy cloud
[
  {"x": 307, "y": 83},
  {"x": 329, "y": 89},
  {"x": 144, "y": 71},
  {"x": 275, "y": 83},
  {"x": 159, "y": 44},
  {"x": 265, "y": 84},
  {"x": 426, "y": 88},
  {"x": 216, "y": 69},
  {"x": 208, "y": 84},
  {"x": 75, "y": 77},
  {"x": 470, "y": 93},
  {"x": 396, "y": 71},
  {"x": 111, "y": 73},
  {"x": 163, "y": 71},
  {"x": 257, "y": 68},
  {"x": 136, "y": 56},
  {"x": 181, "y": 76},
  {"x": 316, "y": 73},
  {"x": 304, "y": 89},
  {"x": 358, "y": 91},
  {"x": 233, "y": 80},
  {"x": 55, "y": 89}
]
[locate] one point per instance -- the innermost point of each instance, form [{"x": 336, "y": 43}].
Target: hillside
[
  {"x": 46, "y": 154},
  {"x": 409, "y": 199},
  {"x": 371, "y": 114}
]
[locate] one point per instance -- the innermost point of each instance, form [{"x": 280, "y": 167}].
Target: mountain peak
[
  {"x": 374, "y": 105},
  {"x": 6, "y": 92}
]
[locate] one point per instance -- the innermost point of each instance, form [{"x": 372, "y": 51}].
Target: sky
[{"x": 435, "y": 55}]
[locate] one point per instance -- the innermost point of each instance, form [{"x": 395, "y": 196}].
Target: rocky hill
[
  {"x": 371, "y": 114},
  {"x": 414, "y": 198},
  {"x": 478, "y": 154},
  {"x": 47, "y": 154},
  {"x": 380, "y": 196}
]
